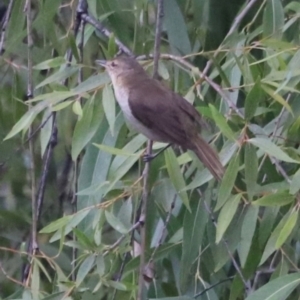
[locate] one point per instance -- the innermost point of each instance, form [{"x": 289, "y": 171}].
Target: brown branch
[
  {"x": 99, "y": 26},
  {"x": 4, "y": 26},
  {"x": 158, "y": 29}
]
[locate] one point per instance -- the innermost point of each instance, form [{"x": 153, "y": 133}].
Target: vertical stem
[{"x": 158, "y": 29}]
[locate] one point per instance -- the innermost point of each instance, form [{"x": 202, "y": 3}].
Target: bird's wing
[{"x": 166, "y": 113}]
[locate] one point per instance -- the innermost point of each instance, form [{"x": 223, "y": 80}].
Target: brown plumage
[{"x": 158, "y": 112}]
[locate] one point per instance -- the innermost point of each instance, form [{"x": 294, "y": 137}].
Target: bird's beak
[{"x": 101, "y": 62}]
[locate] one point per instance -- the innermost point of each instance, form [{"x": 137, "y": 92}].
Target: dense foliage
[{"x": 70, "y": 166}]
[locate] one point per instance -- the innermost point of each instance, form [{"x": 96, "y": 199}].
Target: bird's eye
[{"x": 113, "y": 64}]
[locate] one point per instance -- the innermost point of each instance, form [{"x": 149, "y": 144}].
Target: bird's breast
[{"x": 122, "y": 96}]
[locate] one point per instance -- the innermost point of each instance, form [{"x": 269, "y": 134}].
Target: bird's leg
[{"x": 149, "y": 157}]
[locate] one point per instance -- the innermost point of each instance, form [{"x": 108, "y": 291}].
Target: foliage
[{"x": 237, "y": 239}]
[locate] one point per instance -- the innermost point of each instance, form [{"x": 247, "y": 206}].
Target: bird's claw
[{"x": 148, "y": 157}]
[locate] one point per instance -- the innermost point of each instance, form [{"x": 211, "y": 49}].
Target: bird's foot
[{"x": 148, "y": 157}]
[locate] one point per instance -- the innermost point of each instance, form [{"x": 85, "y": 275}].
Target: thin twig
[
  {"x": 191, "y": 67},
  {"x": 99, "y": 26},
  {"x": 212, "y": 286},
  {"x": 4, "y": 26},
  {"x": 233, "y": 27},
  {"x": 158, "y": 29},
  {"x": 240, "y": 17}
]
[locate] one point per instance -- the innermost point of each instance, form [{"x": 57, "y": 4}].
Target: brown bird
[{"x": 157, "y": 112}]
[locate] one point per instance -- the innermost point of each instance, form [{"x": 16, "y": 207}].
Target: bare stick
[
  {"x": 159, "y": 18},
  {"x": 99, "y": 26},
  {"x": 4, "y": 26}
]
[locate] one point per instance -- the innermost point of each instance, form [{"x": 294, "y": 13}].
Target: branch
[
  {"x": 159, "y": 18},
  {"x": 5, "y": 22},
  {"x": 99, "y": 26}
]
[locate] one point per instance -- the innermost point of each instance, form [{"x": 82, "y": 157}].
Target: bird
[{"x": 157, "y": 112}]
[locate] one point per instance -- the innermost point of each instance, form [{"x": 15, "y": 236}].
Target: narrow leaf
[
  {"x": 176, "y": 176},
  {"x": 226, "y": 215},
  {"x": 287, "y": 229},
  {"x": 251, "y": 169},
  {"x": 271, "y": 149},
  {"x": 279, "y": 198},
  {"x": 227, "y": 182},
  {"x": 109, "y": 106}
]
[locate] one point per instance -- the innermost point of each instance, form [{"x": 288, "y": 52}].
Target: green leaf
[
  {"x": 287, "y": 229},
  {"x": 252, "y": 100},
  {"x": 248, "y": 229},
  {"x": 273, "y": 19},
  {"x": 115, "y": 151},
  {"x": 46, "y": 131},
  {"x": 115, "y": 223},
  {"x": 226, "y": 215},
  {"x": 61, "y": 105},
  {"x": 222, "y": 123},
  {"x": 176, "y": 28},
  {"x": 58, "y": 224},
  {"x": 176, "y": 176},
  {"x": 58, "y": 76},
  {"x": 194, "y": 224},
  {"x": 277, "y": 97},
  {"x": 271, "y": 243},
  {"x": 251, "y": 169},
  {"x": 23, "y": 123},
  {"x": 271, "y": 149},
  {"x": 277, "y": 289},
  {"x": 85, "y": 268},
  {"x": 227, "y": 182},
  {"x": 92, "y": 83},
  {"x": 279, "y": 198},
  {"x": 109, "y": 106},
  {"x": 295, "y": 183},
  {"x": 50, "y": 63},
  {"x": 87, "y": 126},
  {"x": 77, "y": 109}
]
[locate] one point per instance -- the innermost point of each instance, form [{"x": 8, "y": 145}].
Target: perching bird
[{"x": 157, "y": 112}]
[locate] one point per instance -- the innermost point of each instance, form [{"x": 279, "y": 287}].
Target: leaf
[
  {"x": 227, "y": 182},
  {"x": 279, "y": 198},
  {"x": 176, "y": 176},
  {"x": 87, "y": 126},
  {"x": 115, "y": 151},
  {"x": 77, "y": 109},
  {"x": 115, "y": 223},
  {"x": 222, "y": 123},
  {"x": 287, "y": 229},
  {"x": 50, "y": 63},
  {"x": 23, "y": 123},
  {"x": 176, "y": 28},
  {"x": 85, "y": 268},
  {"x": 273, "y": 19},
  {"x": 251, "y": 169},
  {"x": 61, "y": 105},
  {"x": 248, "y": 229},
  {"x": 252, "y": 100},
  {"x": 58, "y": 224},
  {"x": 46, "y": 131},
  {"x": 194, "y": 224},
  {"x": 226, "y": 215},
  {"x": 277, "y": 289},
  {"x": 271, "y": 149},
  {"x": 109, "y": 106},
  {"x": 271, "y": 243},
  {"x": 60, "y": 75},
  {"x": 295, "y": 183},
  {"x": 277, "y": 97},
  {"x": 92, "y": 83}
]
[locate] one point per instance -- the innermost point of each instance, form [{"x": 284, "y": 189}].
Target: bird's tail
[{"x": 208, "y": 157}]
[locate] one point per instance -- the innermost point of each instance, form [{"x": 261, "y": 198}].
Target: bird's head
[{"x": 121, "y": 66}]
